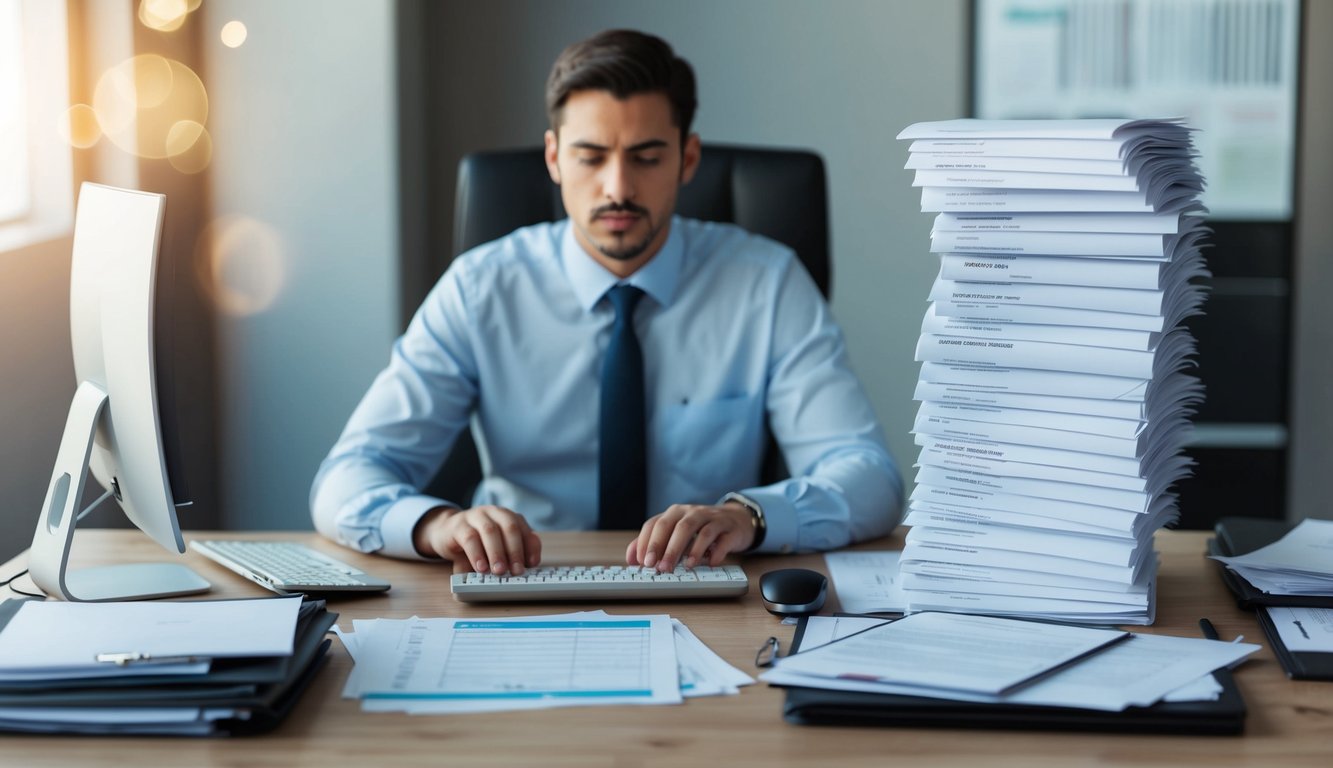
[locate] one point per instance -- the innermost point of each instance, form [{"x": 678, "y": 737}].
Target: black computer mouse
[{"x": 793, "y": 591}]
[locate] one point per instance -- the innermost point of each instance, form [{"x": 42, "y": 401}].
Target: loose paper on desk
[
  {"x": 702, "y": 672},
  {"x": 52, "y": 640},
  {"x": 1304, "y": 630},
  {"x": 866, "y": 582},
  {"x": 954, "y": 652},
  {"x": 1139, "y": 671},
  {"x": 366, "y": 629},
  {"x": 1300, "y": 563},
  {"x": 515, "y": 663}
]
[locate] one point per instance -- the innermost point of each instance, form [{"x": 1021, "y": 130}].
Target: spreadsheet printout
[{"x": 537, "y": 661}]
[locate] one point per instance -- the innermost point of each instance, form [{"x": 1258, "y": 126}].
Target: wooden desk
[{"x": 1290, "y": 723}]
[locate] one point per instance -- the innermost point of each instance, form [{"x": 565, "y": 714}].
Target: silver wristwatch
[{"x": 756, "y": 517}]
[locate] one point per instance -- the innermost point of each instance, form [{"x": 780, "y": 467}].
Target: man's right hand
[{"x": 482, "y": 539}]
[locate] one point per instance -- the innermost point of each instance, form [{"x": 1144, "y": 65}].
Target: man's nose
[{"x": 618, "y": 184}]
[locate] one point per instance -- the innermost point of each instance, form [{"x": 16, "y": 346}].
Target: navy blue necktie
[{"x": 622, "y": 467}]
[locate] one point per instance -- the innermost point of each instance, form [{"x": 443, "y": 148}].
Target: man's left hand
[{"x": 691, "y": 534}]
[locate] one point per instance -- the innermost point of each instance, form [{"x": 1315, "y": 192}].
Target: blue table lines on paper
[
  {"x": 634, "y": 624},
  {"x": 528, "y": 662},
  {"x": 546, "y": 659},
  {"x": 479, "y": 695}
]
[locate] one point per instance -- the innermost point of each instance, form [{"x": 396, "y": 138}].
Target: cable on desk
[{"x": 9, "y": 582}]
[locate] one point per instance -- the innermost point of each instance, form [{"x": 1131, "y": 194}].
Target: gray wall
[
  {"x": 303, "y": 121},
  {"x": 36, "y": 382},
  {"x": 304, "y": 131},
  {"x": 841, "y": 78}
]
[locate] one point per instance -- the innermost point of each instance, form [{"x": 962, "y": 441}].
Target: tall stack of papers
[
  {"x": 451, "y": 666},
  {"x": 1054, "y": 405},
  {"x": 173, "y": 668}
]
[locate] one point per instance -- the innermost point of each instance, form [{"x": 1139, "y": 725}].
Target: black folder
[
  {"x": 1299, "y": 665},
  {"x": 265, "y": 689},
  {"x": 817, "y": 706},
  {"x": 1242, "y": 535}
]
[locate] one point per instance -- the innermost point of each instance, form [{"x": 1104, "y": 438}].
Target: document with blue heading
[{"x": 463, "y": 665}]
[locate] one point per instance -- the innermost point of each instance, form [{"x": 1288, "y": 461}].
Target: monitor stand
[{"x": 48, "y": 560}]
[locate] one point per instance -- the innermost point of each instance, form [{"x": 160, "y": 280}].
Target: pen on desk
[{"x": 1209, "y": 631}]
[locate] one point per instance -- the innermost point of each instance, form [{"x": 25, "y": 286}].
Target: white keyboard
[
  {"x": 600, "y": 582},
  {"x": 287, "y": 567}
]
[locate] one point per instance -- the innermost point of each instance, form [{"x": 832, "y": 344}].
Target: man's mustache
[{"x": 625, "y": 207}]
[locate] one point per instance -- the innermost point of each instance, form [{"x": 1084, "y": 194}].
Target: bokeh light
[
  {"x": 241, "y": 264},
  {"x": 189, "y": 147},
  {"x": 140, "y": 100},
  {"x": 164, "y": 15},
  {"x": 78, "y": 126},
  {"x": 233, "y": 34}
]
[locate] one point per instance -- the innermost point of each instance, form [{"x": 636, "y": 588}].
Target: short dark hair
[{"x": 625, "y": 63}]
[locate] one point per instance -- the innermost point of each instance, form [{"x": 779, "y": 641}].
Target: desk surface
[{"x": 1290, "y": 723}]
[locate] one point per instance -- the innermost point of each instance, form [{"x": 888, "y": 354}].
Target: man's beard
[{"x": 625, "y": 251}]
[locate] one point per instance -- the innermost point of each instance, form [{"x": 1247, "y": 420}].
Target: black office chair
[{"x": 777, "y": 193}]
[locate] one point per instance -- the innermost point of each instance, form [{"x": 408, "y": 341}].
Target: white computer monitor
[{"x": 115, "y": 428}]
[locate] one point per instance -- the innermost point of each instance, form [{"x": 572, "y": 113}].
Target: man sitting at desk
[{"x": 620, "y": 364}]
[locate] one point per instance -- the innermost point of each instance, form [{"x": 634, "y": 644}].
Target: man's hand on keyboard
[
  {"x": 691, "y": 534},
  {"x": 485, "y": 539}
]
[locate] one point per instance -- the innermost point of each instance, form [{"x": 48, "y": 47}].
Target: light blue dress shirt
[{"x": 734, "y": 333}]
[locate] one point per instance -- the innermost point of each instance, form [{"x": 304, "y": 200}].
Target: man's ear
[
  {"x": 552, "y": 152},
  {"x": 690, "y": 158}
]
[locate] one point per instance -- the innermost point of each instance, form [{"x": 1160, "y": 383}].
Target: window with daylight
[
  {"x": 15, "y": 194},
  {"x": 36, "y": 162}
]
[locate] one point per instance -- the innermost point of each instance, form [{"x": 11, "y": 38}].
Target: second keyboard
[{"x": 600, "y": 582}]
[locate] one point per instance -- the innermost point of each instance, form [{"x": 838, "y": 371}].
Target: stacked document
[
  {"x": 450, "y": 665},
  {"x": 171, "y": 668},
  {"x": 1054, "y": 398},
  {"x": 1300, "y": 563},
  {"x": 1005, "y": 661}
]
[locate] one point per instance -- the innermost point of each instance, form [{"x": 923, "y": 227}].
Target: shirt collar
[{"x": 590, "y": 280}]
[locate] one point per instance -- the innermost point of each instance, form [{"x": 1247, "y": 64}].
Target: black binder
[
  {"x": 265, "y": 689},
  {"x": 1300, "y": 665},
  {"x": 817, "y": 706},
  {"x": 1242, "y": 535}
]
